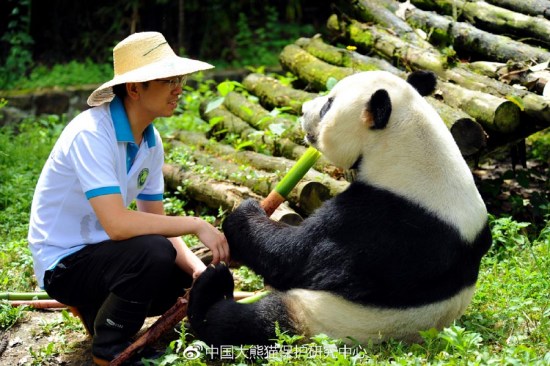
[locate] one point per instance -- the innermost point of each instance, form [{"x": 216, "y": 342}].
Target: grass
[{"x": 508, "y": 322}]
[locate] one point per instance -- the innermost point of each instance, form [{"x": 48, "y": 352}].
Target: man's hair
[{"x": 120, "y": 89}]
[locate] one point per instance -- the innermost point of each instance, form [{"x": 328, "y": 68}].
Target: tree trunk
[
  {"x": 346, "y": 58},
  {"x": 383, "y": 42},
  {"x": 535, "y": 106},
  {"x": 531, "y": 7},
  {"x": 493, "y": 113},
  {"x": 492, "y": 18},
  {"x": 273, "y": 94},
  {"x": 260, "y": 118},
  {"x": 314, "y": 72},
  {"x": 259, "y": 161},
  {"x": 382, "y": 13},
  {"x": 308, "y": 195},
  {"x": 469, "y": 135},
  {"x": 473, "y": 41}
]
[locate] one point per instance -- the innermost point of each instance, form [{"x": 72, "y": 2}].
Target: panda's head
[
  {"x": 361, "y": 107},
  {"x": 399, "y": 142}
]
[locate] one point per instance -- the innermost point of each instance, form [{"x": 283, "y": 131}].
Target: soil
[{"x": 30, "y": 336}]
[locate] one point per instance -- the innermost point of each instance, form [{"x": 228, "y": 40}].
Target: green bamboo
[
  {"x": 298, "y": 170},
  {"x": 252, "y": 299},
  {"x": 24, "y": 296}
]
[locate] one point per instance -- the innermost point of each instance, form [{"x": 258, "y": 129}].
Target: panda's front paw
[
  {"x": 213, "y": 285},
  {"x": 237, "y": 224}
]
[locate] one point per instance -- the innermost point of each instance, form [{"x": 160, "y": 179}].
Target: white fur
[
  {"x": 414, "y": 156},
  {"x": 323, "y": 312}
]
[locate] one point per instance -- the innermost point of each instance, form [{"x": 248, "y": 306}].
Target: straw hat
[{"x": 142, "y": 57}]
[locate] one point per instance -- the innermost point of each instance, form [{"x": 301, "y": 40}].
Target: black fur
[
  {"x": 379, "y": 106},
  {"x": 423, "y": 81},
  {"x": 417, "y": 258},
  {"x": 218, "y": 320}
]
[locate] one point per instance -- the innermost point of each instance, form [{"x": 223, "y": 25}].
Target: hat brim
[{"x": 171, "y": 66}]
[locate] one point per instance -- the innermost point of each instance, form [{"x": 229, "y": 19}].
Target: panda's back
[{"x": 386, "y": 251}]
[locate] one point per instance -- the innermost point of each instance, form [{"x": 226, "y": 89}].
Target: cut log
[
  {"x": 469, "y": 135},
  {"x": 313, "y": 71},
  {"x": 472, "y": 41},
  {"x": 382, "y": 12},
  {"x": 274, "y": 94},
  {"x": 531, "y": 7},
  {"x": 257, "y": 160},
  {"x": 212, "y": 193},
  {"x": 491, "y": 18},
  {"x": 260, "y": 118},
  {"x": 258, "y": 181},
  {"x": 346, "y": 58},
  {"x": 381, "y": 41},
  {"x": 493, "y": 113},
  {"x": 535, "y": 106}
]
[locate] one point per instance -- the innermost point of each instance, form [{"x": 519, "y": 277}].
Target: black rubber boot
[{"x": 116, "y": 322}]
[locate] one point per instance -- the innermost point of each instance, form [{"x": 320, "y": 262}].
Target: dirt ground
[{"x": 30, "y": 336}]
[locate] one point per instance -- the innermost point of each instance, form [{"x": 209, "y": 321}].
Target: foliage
[
  {"x": 19, "y": 58},
  {"x": 261, "y": 45}
]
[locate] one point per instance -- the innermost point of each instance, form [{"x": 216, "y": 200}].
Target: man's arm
[{"x": 121, "y": 223}]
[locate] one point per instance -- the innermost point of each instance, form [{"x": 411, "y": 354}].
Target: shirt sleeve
[
  {"x": 94, "y": 161},
  {"x": 154, "y": 187}
]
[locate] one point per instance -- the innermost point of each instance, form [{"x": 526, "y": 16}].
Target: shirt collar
[{"x": 122, "y": 125}]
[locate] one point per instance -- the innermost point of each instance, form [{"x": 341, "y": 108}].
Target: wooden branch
[
  {"x": 473, "y": 41},
  {"x": 273, "y": 94}
]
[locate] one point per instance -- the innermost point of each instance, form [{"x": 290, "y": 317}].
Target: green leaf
[
  {"x": 517, "y": 101},
  {"x": 214, "y": 104}
]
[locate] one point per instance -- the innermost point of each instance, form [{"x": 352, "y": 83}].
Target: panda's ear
[
  {"x": 423, "y": 81},
  {"x": 378, "y": 110}
]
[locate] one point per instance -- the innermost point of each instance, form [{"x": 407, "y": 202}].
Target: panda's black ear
[
  {"x": 423, "y": 81},
  {"x": 379, "y": 106}
]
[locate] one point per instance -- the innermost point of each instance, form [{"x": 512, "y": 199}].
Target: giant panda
[{"x": 396, "y": 253}]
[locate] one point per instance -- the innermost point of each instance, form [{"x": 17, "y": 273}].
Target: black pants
[{"x": 140, "y": 269}]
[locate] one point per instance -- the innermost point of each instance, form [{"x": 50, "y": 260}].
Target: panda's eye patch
[{"x": 325, "y": 108}]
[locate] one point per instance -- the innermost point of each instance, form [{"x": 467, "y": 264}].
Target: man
[{"x": 117, "y": 266}]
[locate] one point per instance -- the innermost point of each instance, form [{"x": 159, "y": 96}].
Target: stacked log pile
[{"x": 490, "y": 57}]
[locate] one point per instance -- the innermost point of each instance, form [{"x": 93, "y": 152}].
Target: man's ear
[
  {"x": 378, "y": 110},
  {"x": 132, "y": 90}
]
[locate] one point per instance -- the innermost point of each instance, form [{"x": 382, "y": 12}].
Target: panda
[{"x": 396, "y": 253}]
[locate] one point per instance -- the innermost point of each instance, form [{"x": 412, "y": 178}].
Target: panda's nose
[{"x": 311, "y": 138}]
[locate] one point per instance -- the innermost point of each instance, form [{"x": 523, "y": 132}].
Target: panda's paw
[{"x": 213, "y": 285}]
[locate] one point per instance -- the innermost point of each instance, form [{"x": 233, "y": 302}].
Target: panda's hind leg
[
  {"x": 213, "y": 285},
  {"x": 218, "y": 320}
]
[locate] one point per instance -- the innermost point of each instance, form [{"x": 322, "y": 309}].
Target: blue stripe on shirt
[{"x": 102, "y": 191}]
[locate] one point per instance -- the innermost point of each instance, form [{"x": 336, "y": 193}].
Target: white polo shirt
[{"x": 95, "y": 155}]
